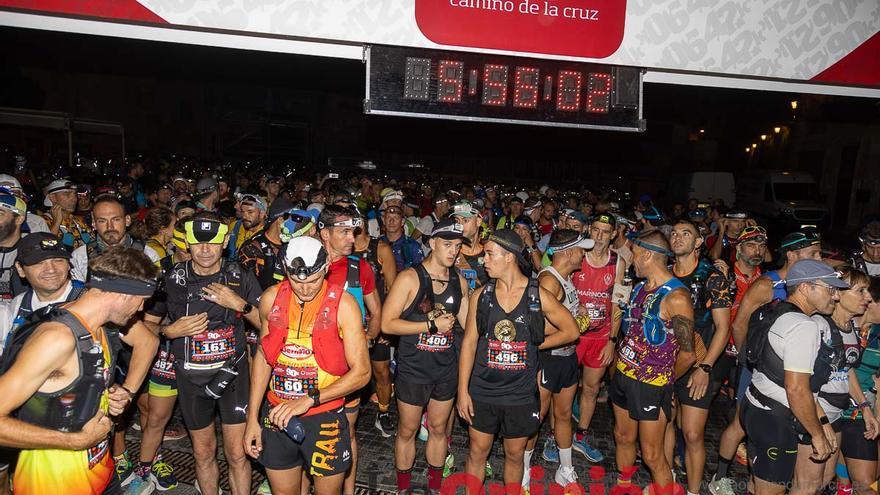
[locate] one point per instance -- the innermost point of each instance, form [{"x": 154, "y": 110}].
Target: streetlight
[
  {"x": 754, "y": 145},
  {"x": 763, "y": 137},
  {"x": 794, "y": 104},
  {"x": 702, "y": 131},
  {"x": 748, "y": 149},
  {"x": 777, "y": 130}
]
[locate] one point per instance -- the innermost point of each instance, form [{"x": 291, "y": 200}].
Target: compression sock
[
  {"x": 565, "y": 457},
  {"x": 723, "y": 467},
  {"x": 527, "y": 466},
  {"x": 435, "y": 477},
  {"x": 403, "y": 479}
]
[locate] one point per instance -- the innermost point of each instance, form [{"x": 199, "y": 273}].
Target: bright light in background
[
  {"x": 794, "y": 104},
  {"x": 763, "y": 137},
  {"x": 777, "y": 130}
]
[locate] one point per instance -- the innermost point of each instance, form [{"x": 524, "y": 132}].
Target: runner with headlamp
[
  {"x": 337, "y": 226},
  {"x": 426, "y": 308},
  {"x": 559, "y": 366},
  {"x": 311, "y": 356},
  {"x": 207, "y": 300},
  {"x": 658, "y": 346}
]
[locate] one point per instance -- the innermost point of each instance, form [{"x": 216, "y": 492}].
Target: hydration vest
[
  {"x": 535, "y": 317},
  {"x": 651, "y": 309},
  {"x": 761, "y": 356},
  {"x": 371, "y": 256},
  {"x": 73, "y": 406},
  {"x": 778, "y": 286},
  {"x": 353, "y": 283},
  {"x": 326, "y": 341},
  {"x": 25, "y": 312},
  {"x": 95, "y": 248}
]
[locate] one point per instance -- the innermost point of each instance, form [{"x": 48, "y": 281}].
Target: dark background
[{"x": 220, "y": 105}]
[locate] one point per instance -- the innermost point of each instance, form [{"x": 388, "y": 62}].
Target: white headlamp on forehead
[{"x": 353, "y": 222}]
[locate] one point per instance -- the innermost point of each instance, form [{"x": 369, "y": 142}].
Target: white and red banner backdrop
[{"x": 832, "y": 41}]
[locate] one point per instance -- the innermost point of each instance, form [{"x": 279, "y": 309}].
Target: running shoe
[
  {"x": 742, "y": 454},
  {"x": 551, "y": 450},
  {"x": 264, "y": 488},
  {"x": 140, "y": 485},
  {"x": 566, "y": 475},
  {"x": 174, "y": 431},
  {"x": 584, "y": 448},
  {"x": 124, "y": 470},
  {"x": 384, "y": 424},
  {"x": 162, "y": 475},
  {"x": 489, "y": 471},
  {"x": 448, "y": 464},
  {"x": 423, "y": 428},
  {"x": 721, "y": 486}
]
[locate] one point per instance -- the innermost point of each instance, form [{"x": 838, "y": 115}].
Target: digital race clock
[{"x": 438, "y": 84}]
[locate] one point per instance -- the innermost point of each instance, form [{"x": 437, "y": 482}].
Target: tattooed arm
[{"x": 680, "y": 312}]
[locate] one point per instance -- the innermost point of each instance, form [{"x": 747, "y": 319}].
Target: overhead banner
[{"x": 828, "y": 41}]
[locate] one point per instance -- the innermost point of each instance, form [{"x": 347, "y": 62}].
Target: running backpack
[
  {"x": 535, "y": 316},
  {"x": 757, "y": 337}
]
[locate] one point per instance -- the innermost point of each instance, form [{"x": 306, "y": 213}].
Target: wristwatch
[
  {"x": 315, "y": 395},
  {"x": 706, "y": 367},
  {"x": 248, "y": 307},
  {"x": 614, "y": 338}
]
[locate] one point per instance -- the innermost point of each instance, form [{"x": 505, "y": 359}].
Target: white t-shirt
[
  {"x": 36, "y": 223},
  {"x": 838, "y": 382},
  {"x": 873, "y": 268},
  {"x": 79, "y": 263},
  {"x": 9, "y": 309},
  {"x": 795, "y": 338}
]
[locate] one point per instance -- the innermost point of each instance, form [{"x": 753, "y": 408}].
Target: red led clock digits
[
  {"x": 525, "y": 88},
  {"x": 495, "y": 85},
  {"x": 598, "y": 92},
  {"x": 568, "y": 90},
  {"x": 449, "y": 80}
]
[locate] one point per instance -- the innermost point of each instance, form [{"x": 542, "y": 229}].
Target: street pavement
[{"x": 377, "y": 475}]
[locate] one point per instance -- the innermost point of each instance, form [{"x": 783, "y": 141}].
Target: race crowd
[{"x": 273, "y": 305}]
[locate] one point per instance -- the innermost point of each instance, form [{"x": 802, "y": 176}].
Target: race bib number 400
[
  {"x": 507, "y": 356},
  {"x": 213, "y": 345},
  {"x": 293, "y": 382},
  {"x": 434, "y": 343}
]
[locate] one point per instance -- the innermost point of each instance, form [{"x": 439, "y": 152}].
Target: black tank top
[
  {"x": 506, "y": 364},
  {"x": 426, "y": 358}
]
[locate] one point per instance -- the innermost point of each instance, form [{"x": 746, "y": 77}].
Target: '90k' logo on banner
[{"x": 579, "y": 28}]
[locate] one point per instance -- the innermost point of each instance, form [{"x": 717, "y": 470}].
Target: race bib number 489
[{"x": 507, "y": 356}]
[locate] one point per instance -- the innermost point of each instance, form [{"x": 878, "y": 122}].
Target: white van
[
  {"x": 788, "y": 197},
  {"x": 702, "y": 186}
]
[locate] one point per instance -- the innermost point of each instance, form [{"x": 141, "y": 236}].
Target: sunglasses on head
[{"x": 871, "y": 242}]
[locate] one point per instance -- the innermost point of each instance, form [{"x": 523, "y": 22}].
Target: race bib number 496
[{"x": 507, "y": 356}]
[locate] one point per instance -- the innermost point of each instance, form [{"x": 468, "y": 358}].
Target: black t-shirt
[
  {"x": 225, "y": 337},
  {"x": 264, "y": 259},
  {"x": 709, "y": 290}
]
